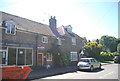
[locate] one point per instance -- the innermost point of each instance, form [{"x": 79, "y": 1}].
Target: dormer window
[
  {"x": 10, "y": 29},
  {"x": 69, "y": 29},
  {"x": 73, "y": 41}
]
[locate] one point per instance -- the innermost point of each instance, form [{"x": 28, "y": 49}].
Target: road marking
[{"x": 106, "y": 75}]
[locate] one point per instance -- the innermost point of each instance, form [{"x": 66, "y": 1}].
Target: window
[
  {"x": 44, "y": 39},
  {"x": 20, "y": 56},
  {"x": 10, "y": 28},
  {"x": 3, "y": 57},
  {"x": 24, "y": 57},
  {"x": 59, "y": 41},
  {"x": 12, "y": 56},
  {"x": 74, "y": 56},
  {"x": 49, "y": 57},
  {"x": 84, "y": 60},
  {"x": 73, "y": 41},
  {"x": 93, "y": 60},
  {"x": 69, "y": 29},
  {"x": 28, "y": 57}
]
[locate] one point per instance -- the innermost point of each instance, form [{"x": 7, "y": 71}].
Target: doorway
[{"x": 40, "y": 59}]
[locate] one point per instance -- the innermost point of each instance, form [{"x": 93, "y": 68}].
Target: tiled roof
[
  {"x": 28, "y": 25},
  {"x": 62, "y": 30}
]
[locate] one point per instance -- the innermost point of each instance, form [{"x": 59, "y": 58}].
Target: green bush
[
  {"x": 107, "y": 56},
  {"x": 63, "y": 60},
  {"x": 93, "y": 49}
]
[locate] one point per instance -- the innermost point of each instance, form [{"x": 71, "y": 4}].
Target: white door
[{"x": 3, "y": 57}]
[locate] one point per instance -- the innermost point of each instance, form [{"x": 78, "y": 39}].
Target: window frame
[
  {"x": 17, "y": 56},
  {"x": 10, "y": 25},
  {"x": 26, "y": 57},
  {"x": 6, "y": 56},
  {"x": 44, "y": 39},
  {"x": 93, "y": 60},
  {"x": 21, "y": 56},
  {"x": 59, "y": 41},
  {"x": 48, "y": 56},
  {"x": 73, "y": 41},
  {"x": 73, "y": 54}
]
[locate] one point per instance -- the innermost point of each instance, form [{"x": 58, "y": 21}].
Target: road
[{"x": 107, "y": 72}]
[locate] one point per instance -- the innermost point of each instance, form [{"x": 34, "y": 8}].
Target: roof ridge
[
  {"x": 23, "y": 18},
  {"x": 27, "y": 24}
]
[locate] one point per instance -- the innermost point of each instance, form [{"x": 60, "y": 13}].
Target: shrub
[
  {"x": 62, "y": 60},
  {"x": 93, "y": 49},
  {"x": 107, "y": 56}
]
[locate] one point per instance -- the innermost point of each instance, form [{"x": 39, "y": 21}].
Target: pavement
[{"x": 36, "y": 74}]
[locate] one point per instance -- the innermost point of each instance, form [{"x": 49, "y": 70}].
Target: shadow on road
[{"x": 94, "y": 71}]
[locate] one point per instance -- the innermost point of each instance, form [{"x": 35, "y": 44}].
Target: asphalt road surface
[{"x": 107, "y": 72}]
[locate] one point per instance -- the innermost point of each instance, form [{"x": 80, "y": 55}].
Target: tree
[
  {"x": 97, "y": 40},
  {"x": 60, "y": 59},
  {"x": 118, "y": 49},
  {"x": 93, "y": 49},
  {"x": 109, "y": 42},
  {"x": 118, "y": 40}
]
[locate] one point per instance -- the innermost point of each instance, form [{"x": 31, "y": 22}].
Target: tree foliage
[
  {"x": 60, "y": 59},
  {"x": 109, "y": 42},
  {"x": 118, "y": 49},
  {"x": 118, "y": 40},
  {"x": 93, "y": 49},
  {"x": 107, "y": 56},
  {"x": 64, "y": 60}
]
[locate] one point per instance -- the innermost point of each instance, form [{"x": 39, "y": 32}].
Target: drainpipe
[{"x": 36, "y": 48}]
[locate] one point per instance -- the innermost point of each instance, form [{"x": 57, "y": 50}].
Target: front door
[
  {"x": 3, "y": 57},
  {"x": 40, "y": 59}
]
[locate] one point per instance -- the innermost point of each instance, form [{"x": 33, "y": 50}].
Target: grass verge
[{"x": 107, "y": 61}]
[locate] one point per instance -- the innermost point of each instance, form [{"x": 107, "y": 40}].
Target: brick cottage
[{"x": 30, "y": 43}]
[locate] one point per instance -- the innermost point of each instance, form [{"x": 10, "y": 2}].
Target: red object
[
  {"x": 88, "y": 63},
  {"x": 17, "y": 73}
]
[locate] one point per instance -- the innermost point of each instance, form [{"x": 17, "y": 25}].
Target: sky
[{"x": 88, "y": 18}]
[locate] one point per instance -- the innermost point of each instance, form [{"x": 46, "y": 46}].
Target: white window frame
[
  {"x": 11, "y": 28},
  {"x": 72, "y": 56},
  {"x": 44, "y": 39},
  {"x": 31, "y": 58},
  {"x": 6, "y": 57},
  {"x": 48, "y": 56},
  {"x": 25, "y": 56},
  {"x": 73, "y": 41},
  {"x": 59, "y": 41}
]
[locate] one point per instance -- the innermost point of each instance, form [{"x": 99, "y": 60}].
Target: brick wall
[{"x": 35, "y": 38}]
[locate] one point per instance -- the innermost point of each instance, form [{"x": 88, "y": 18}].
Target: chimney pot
[
  {"x": 54, "y": 17},
  {"x": 51, "y": 17}
]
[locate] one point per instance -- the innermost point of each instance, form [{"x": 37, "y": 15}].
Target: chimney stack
[
  {"x": 52, "y": 22},
  {"x": 53, "y": 26}
]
